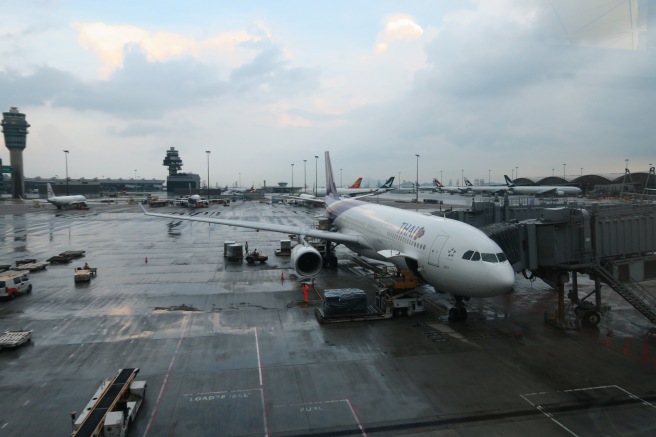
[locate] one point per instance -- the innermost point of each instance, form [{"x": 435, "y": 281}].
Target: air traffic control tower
[
  {"x": 14, "y": 127},
  {"x": 179, "y": 183}
]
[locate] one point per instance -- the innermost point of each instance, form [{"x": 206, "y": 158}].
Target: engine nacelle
[
  {"x": 560, "y": 193},
  {"x": 306, "y": 260}
]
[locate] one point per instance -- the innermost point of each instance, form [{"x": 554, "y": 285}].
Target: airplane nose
[{"x": 501, "y": 279}]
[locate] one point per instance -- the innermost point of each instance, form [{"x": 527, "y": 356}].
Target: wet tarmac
[{"x": 230, "y": 349}]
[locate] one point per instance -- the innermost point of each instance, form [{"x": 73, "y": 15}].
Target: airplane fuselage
[
  {"x": 432, "y": 246},
  {"x": 64, "y": 201}
]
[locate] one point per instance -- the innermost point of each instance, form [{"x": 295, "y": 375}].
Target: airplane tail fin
[
  {"x": 331, "y": 188},
  {"x": 437, "y": 183},
  {"x": 50, "y": 192},
  {"x": 357, "y": 183},
  {"x": 508, "y": 181},
  {"x": 388, "y": 183},
  {"x": 468, "y": 183}
]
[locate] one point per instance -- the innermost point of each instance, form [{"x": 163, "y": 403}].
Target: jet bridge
[{"x": 614, "y": 244}]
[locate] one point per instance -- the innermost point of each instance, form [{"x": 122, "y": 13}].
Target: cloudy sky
[{"x": 481, "y": 85}]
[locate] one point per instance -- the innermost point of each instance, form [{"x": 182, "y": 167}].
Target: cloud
[
  {"x": 397, "y": 28},
  {"x": 109, "y": 42}
]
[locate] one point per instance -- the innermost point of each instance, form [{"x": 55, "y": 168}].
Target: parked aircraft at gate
[
  {"x": 557, "y": 190},
  {"x": 451, "y": 256},
  {"x": 484, "y": 189}
]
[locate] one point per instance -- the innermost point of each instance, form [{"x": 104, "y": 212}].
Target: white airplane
[
  {"x": 448, "y": 189},
  {"x": 541, "y": 190},
  {"x": 451, "y": 256},
  {"x": 484, "y": 189},
  {"x": 355, "y": 193},
  {"x": 76, "y": 201},
  {"x": 352, "y": 192}
]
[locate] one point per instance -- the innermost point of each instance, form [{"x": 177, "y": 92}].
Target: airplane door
[{"x": 436, "y": 249}]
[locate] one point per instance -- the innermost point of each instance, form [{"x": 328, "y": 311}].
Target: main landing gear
[{"x": 458, "y": 313}]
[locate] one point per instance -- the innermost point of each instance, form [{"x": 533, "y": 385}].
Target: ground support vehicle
[
  {"x": 82, "y": 274},
  {"x": 12, "y": 339},
  {"x": 14, "y": 283},
  {"x": 113, "y": 407},
  {"x": 253, "y": 257}
]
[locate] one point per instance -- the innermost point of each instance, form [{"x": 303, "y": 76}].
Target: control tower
[
  {"x": 179, "y": 183},
  {"x": 14, "y": 127}
]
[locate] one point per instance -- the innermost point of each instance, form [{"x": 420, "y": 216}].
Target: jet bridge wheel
[{"x": 591, "y": 318}]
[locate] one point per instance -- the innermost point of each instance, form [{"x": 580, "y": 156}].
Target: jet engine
[
  {"x": 306, "y": 260},
  {"x": 560, "y": 193}
]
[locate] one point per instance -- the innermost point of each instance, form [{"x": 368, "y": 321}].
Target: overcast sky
[{"x": 478, "y": 86}]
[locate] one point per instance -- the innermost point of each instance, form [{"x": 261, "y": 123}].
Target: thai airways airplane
[
  {"x": 452, "y": 256},
  {"x": 558, "y": 190}
]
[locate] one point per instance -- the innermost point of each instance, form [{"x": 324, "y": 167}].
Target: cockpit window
[
  {"x": 490, "y": 257},
  {"x": 502, "y": 257},
  {"x": 467, "y": 255},
  {"x": 476, "y": 257}
]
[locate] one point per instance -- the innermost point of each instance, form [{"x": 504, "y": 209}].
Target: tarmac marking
[
  {"x": 219, "y": 395},
  {"x": 185, "y": 327},
  {"x": 259, "y": 368},
  {"x": 310, "y": 407},
  {"x": 551, "y": 416}
]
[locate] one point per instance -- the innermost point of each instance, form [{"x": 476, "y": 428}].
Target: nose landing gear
[{"x": 459, "y": 312}]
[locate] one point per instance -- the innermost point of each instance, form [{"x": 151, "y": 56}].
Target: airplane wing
[{"x": 285, "y": 229}]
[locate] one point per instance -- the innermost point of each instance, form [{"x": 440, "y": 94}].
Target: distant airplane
[
  {"x": 448, "y": 189},
  {"x": 357, "y": 183},
  {"x": 76, "y": 201},
  {"x": 484, "y": 189},
  {"x": 451, "y": 256},
  {"x": 541, "y": 190},
  {"x": 354, "y": 191}
]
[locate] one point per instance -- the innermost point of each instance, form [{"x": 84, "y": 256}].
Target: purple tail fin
[{"x": 331, "y": 189}]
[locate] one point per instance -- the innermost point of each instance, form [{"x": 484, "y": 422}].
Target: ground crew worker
[
  {"x": 86, "y": 266},
  {"x": 306, "y": 291}
]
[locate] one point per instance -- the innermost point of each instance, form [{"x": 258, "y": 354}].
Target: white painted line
[
  {"x": 355, "y": 416},
  {"x": 259, "y": 368},
  {"x": 185, "y": 326}
]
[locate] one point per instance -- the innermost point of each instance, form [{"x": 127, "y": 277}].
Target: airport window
[
  {"x": 476, "y": 257},
  {"x": 502, "y": 257},
  {"x": 467, "y": 255},
  {"x": 490, "y": 257}
]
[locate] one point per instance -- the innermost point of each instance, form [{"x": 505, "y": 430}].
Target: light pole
[
  {"x": 516, "y": 172},
  {"x": 552, "y": 171},
  {"x": 135, "y": 181},
  {"x": 304, "y": 175},
  {"x": 66, "y": 158},
  {"x": 208, "y": 173},
  {"x": 564, "y": 174},
  {"x": 581, "y": 171},
  {"x": 399, "y": 180},
  {"x": 316, "y": 157},
  {"x": 340, "y": 178},
  {"x": 488, "y": 178},
  {"x": 239, "y": 179},
  {"x": 417, "y": 181},
  {"x": 292, "y": 189},
  {"x": 441, "y": 178},
  {"x": 512, "y": 173},
  {"x": 462, "y": 178}
]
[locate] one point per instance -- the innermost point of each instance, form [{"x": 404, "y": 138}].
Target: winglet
[{"x": 331, "y": 188}]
